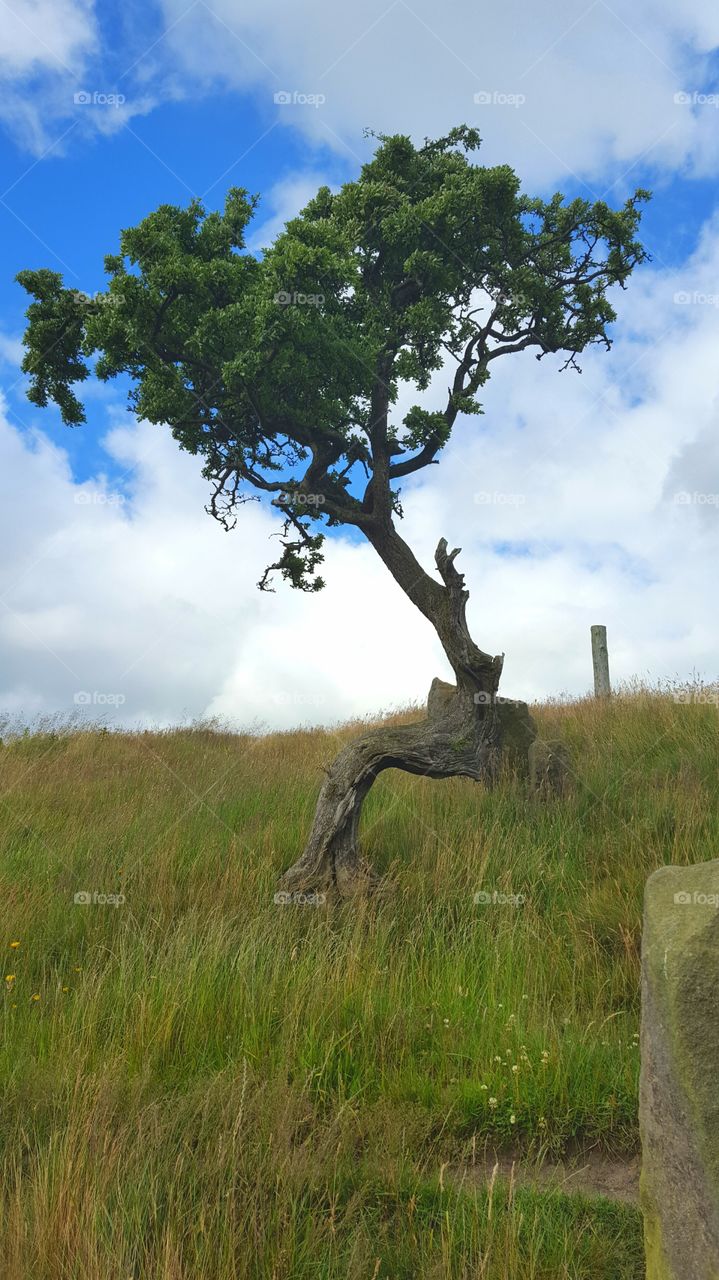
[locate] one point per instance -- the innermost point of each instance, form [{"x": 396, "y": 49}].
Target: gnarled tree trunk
[{"x": 467, "y": 733}]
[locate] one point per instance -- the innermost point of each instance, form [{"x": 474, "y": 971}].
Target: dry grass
[{"x": 211, "y": 1085}]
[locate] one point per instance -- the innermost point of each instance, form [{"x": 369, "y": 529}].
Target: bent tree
[{"x": 281, "y": 371}]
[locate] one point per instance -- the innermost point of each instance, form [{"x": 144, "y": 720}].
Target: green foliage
[
  {"x": 54, "y": 341},
  {"x": 421, "y": 426},
  {"x": 286, "y": 367}
]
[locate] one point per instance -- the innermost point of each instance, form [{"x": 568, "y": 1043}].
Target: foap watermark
[
  {"x": 96, "y": 698},
  {"x": 296, "y": 98},
  {"x": 96, "y": 498},
  {"x": 485, "y": 898},
  {"x": 297, "y": 299},
  {"x": 484, "y": 699},
  {"x": 495, "y": 498},
  {"x": 695, "y": 298},
  {"x": 696, "y": 99},
  {"x": 285, "y": 699},
  {"x": 295, "y": 499},
  {"x": 702, "y": 697},
  {"x": 85, "y": 898},
  {"x": 685, "y": 499},
  {"x": 285, "y": 899},
  {"x": 95, "y": 299},
  {"x": 96, "y": 98},
  {"x": 495, "y": 98},
  {"x": 696, "y": 899}
]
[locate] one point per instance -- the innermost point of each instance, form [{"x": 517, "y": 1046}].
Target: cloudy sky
[{"x": 576, "y": 499}]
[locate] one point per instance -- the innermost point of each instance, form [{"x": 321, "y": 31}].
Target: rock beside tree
[{"x": 679, "y": 1095}]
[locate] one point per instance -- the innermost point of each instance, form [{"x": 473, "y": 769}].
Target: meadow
[{"x": 200, "y": 1083}]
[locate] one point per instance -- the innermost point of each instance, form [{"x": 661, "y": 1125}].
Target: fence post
[{"x": 600, "y": 660}]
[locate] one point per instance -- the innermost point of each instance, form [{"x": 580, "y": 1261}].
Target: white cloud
[
  {"x": 585, "y": 91},
  {"x": 143, "y": 595},
  {"x": 593, "y": 86},
  {"x": 52, "y": 34},
  {"x": 54, "y": 77}
]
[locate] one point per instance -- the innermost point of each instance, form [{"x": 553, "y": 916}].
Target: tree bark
[{"x": 468, "y": 731}]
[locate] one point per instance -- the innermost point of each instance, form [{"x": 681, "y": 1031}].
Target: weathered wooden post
[{"x": 600, "y": 659}]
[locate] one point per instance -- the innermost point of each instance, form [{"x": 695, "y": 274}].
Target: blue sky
[
  {"x": 65, "y": 211},
  {"x": 609, "y": 97}
]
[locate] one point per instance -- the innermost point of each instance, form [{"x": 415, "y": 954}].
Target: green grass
[{"x": 213, "y": 1085}]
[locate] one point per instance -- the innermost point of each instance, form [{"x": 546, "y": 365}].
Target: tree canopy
[{"x": 281, "y": 370}]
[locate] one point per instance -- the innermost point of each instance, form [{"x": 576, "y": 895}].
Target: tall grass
[{"x": 202, "y": 1083}]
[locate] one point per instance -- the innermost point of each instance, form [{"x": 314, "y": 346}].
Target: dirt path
[{"x": 588, "y": 1173}]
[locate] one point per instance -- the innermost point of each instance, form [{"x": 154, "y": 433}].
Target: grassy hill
[{"x": 199, "y": 1083}]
